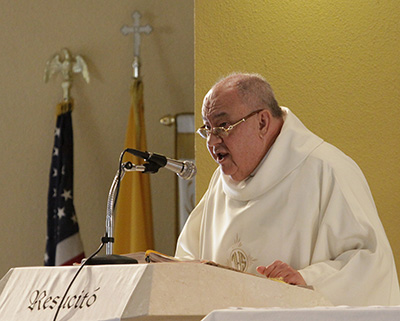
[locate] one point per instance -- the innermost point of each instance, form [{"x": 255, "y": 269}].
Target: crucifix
[{"x": 136, "y": 29}]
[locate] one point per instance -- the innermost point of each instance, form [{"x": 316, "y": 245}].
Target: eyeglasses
[{"x": 221, "y": 132}]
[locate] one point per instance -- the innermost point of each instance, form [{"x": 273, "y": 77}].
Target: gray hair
[{"x": 254, "y": 91}]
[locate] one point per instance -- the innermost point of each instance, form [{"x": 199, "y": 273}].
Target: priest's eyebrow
[{"x": 216, "y": 117}]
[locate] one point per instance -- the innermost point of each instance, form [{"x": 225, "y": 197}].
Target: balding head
[
  {"x": 253, "y": 90},
  {"x": 244, "y": 106}
]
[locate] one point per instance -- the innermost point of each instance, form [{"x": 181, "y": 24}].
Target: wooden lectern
[{"x": 156, "y": 291}]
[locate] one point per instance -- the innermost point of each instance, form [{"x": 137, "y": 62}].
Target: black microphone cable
[
  {"x": 149, "y": 168},
  {"x": 74, "y": 278},
  {"x": 104, "y": 240}
]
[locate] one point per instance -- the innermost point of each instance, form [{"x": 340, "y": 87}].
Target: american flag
[{"x": 63, "y": 245}]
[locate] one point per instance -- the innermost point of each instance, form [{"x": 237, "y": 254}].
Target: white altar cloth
[
  {"x": 338, "y": 313},
  {"x": 99, "y": 292}
]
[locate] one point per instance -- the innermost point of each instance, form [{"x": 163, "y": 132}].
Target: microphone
[{"x": 184, "y": 169}]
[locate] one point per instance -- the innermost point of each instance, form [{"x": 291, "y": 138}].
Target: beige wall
[
  {"x": 336, "y": 64},
  {"x": 30, "y": 33}
]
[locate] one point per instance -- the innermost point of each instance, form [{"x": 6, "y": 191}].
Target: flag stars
[
  {"x": 67, "y": 195},
  {"x": 46, "y": 257},
  {"x": 61, "y": 213},
  {"x": 74, "y": 219},
  {"x": 62, "y": 220}
]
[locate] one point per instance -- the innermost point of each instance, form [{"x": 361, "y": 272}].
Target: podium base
[{"x": 110, "y": 259}]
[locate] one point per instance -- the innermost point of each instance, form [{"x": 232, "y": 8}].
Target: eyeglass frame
[{"x": 222, "y": 131}]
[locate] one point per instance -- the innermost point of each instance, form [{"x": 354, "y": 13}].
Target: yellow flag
[{"x": 133, "y": 219}]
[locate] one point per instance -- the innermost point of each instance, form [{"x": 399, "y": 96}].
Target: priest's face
[{"x": 239, "y": 152}]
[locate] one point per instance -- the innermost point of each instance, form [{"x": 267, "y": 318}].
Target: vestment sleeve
[
  {"x": 188, "y": 245},
  {"x": 351, "y": 250}
]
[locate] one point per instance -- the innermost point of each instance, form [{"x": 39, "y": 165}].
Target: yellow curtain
[{"x": 133, "y": 219}]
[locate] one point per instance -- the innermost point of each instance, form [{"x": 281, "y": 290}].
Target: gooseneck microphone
[{"x": 184, "y": 169}]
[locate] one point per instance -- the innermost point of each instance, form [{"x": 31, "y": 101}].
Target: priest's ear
[{"x": 264, "y": 119}]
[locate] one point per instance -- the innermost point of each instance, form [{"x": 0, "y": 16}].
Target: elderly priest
[{"x": 284, "y": 203}]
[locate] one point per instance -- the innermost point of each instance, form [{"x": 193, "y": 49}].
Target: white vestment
[{"x": 308, "y": 205}]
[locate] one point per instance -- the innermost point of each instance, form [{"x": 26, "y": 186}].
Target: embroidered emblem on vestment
[{"x": 238, "y": 257}]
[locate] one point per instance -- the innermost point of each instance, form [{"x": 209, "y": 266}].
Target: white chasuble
[{"x": 308, "y": 205}]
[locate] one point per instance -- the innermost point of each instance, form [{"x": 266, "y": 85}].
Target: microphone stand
[{"x": 108, "y": 239}]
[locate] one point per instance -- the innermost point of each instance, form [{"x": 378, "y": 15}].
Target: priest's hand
[{"x": 281, "y": 270}]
